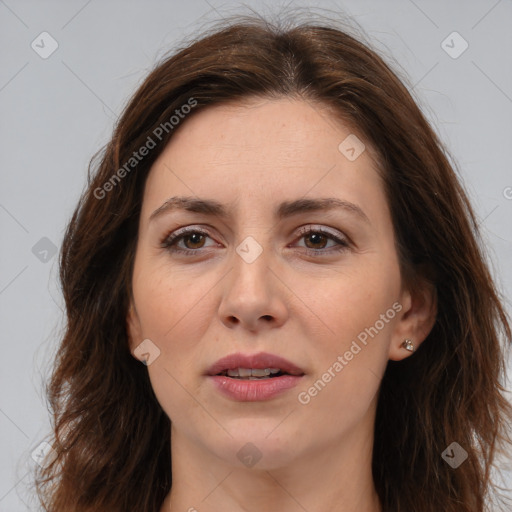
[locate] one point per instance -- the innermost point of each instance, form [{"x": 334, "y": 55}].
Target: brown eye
[
  {"x": 196, "y": 240},
  {"x": 188, "y": 241},
  {"x": 318, "y": 240}
]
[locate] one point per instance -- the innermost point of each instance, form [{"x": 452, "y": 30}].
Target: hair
[{"x": 110, "y": 435}]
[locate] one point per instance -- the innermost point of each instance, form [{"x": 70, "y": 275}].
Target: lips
[
  {"x": 254, "y": 377},
  {"x": 260, "y": 361}
]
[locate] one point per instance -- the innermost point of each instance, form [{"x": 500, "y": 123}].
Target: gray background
[{"x": 57, "y": 112}]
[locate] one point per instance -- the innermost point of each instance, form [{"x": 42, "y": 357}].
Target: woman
[{"x": 275, "y": 231}]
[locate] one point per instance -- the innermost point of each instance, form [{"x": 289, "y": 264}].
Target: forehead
[
  {"x": 262, "y": 149},
  {"x": 288, "y": 127}
]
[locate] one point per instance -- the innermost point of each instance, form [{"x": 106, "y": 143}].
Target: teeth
[
  {"x": 244, "y": 372},
  {"x": 252, "y": 373},
  {"x": 263, "y": 372}
]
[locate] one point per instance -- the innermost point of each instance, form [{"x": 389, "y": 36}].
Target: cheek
[
  {"x": 334, "y": 408},
  {"x": 171, "y": 313},
  {"x": 171, "y": 304},
  {"x": 344, "y": 303},
  {"x": 356, "y": 315},
  {"x": 171, "y": 308}
]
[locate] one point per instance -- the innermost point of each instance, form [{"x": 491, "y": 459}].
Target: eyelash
[{"x": 171, "y": 240}]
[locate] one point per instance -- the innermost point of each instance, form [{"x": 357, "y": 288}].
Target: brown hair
[{"x": 110, "y": 434}]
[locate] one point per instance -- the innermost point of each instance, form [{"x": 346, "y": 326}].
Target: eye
[
  {"x": 192, "y": 238},
  {"x": 316, "y": 239}
]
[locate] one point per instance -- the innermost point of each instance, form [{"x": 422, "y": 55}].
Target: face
[{"x": 318, "y": 287}]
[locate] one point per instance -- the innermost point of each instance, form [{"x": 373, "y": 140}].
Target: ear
[
  {"x": 133, "y": 329},
  {"x": 416, "y": 318}
]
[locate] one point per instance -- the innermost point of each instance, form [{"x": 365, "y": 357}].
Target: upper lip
[{"x": 261, "y": 360}]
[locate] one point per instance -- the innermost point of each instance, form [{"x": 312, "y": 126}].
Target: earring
[{"x": 408, "y": 345}]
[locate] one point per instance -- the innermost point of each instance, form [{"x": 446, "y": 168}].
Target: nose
[{"x": 253, "y": 296}]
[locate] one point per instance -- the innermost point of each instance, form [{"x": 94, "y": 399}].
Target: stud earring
[{"x": 408, "y": 345}]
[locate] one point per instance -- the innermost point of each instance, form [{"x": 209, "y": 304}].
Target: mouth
[
  {"x": 253, "y": 378},
  {"x": 254, "y": 366},
  {"x": 254, "y": 373}
]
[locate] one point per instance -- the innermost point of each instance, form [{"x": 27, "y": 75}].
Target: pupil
[
  {"x": 195, "y": 238},
  {"x": 316, "y": 238}
]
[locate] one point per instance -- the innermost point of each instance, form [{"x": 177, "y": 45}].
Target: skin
[{"x": 196, "y": 309}]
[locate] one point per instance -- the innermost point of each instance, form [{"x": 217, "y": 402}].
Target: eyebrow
[{"x": 284, "y": 210}]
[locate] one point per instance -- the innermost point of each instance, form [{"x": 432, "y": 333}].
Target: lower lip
[{"x": 254, "y": 390}]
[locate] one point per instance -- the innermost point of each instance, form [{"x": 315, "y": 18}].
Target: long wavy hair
[{"x": 110, "y": 436}]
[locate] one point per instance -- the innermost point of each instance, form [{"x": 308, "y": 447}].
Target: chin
[{"x": 257, "y": 444}]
